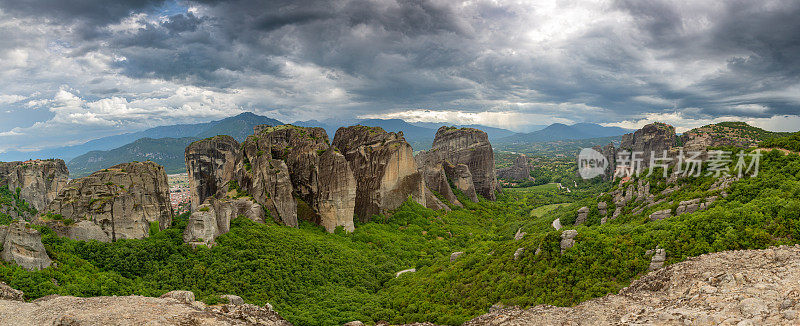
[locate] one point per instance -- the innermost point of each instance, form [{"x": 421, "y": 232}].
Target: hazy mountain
[
  {"x": 492, "y": 132},
  {"x": 559, "y": 131},
  {"x": 237, "y": 126},
  {"x": 164, "y": 151}
]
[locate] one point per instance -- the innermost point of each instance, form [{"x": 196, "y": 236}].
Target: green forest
[{"x": 315, "y": 278}]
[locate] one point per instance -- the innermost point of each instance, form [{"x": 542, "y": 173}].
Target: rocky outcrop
[
  {"x": 454, "y": 256},
  {"x": 568, "y": 239},
  {"x": 653, "y": 138},
  {"x": 660, "y": 215},
  {"x": 748, "y": 287},
  {"x": 213, "y": 218},
  {"x": 384, "y": 168},
  {"x": 133, "y": 310},
  {"x": 657, "y": 261},
  {"x": 583, "y": 213},
  {"x": 519, "y": 170},
  {"x": 602, "y": 208},
  {"x": 39, "y": 181},
  {"x": 410, "y": 270},
  {"x": 23, "y": 245},
  {"x": 470, "y": 147},
  {"x": 737, "y": 134},
  {"x": 518, "y": 253},
  {"x": 122, "y": 201},
  {"x": 5, "y": 170}
]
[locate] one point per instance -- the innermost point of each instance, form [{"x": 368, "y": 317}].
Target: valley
[{"x": 554, "y": 239}]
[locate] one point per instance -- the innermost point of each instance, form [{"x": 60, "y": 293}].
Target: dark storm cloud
[{"x": 91, "y": 12}]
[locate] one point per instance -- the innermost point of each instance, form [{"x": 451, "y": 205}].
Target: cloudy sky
[{"x": 73, "y": 70}]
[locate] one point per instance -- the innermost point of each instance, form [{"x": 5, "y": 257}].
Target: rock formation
[
  {"x": 520, "y": 170},
  {"x": 518, "y": 253},
  {"x": 747, "y": 287},
  {"x": 583, "y": 213},
  {"x": 471, "y": 148},
  {"x": 211, "y": 164},
  {"x": 660, "y": 215},
  {"x": 454, "y": 256},
  {"x": 23, "y": 245},
  {"x": 384, "y": 168},
  {"x": 213, "y": 218},
  {"x": 602, "y": 208},
  {"x": 462, "y": 179},
  {"x": 657, "y": 261},
  {"x": 319, "y": 175},
  {"x": 654, "y": 138},
  {"x": 133, "y": 310},
  {"x": 120, "y": 202},
  {"x": 568, "y": 239},
  {"x": 738, "y": 134},
  {"x": 436, "y": 178},
  {"x": 39, "y": 181}
]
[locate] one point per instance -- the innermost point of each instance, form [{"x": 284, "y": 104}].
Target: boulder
[
  {"x": 122, "y": 200},
  {"x": 519, "y": 170},
  {"x": 470, "y": 147},
  {"x": 23, "y": 245},
  {"x": 583, "y": 213},
  {"x": 39, "y": 181},
  {"x": 462, "y": 180},
  {"x": 660, "y": 215},
  {"x": 202, "y": 228},
  {"x": 568, "y": 239},
  {"x": 455, "y": 255},
  {"x": 233, "y": 299},
  {"x": 384, "y": 168},
  {"x": 354, "y": 323},
  {"x": 181, "y": 296},
  {"x": 602, "y": 207}
]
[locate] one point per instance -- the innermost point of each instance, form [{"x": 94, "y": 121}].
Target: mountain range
[{"x": 165, "y": 144}]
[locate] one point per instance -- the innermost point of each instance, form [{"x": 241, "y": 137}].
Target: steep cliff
[
  {"x": 383, "y": 166},
  {"x": 120, "y": 201},
  {"x": 211, "y": 163},
  {"x": 39, "y": 181},
  {"x": 470, "y": 147},
  {"x": 654, "y": 138}
]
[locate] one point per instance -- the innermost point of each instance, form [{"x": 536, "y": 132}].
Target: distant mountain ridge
[
  {"x": 238, "y": 126},
  {"x": 560, "y": 131},
  {"x": 167, "y": 152}
]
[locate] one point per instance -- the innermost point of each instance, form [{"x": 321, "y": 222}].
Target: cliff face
[
  {"x": 39, "y": 180},
  {"x": 116, "y": 203},
  {"x": 211, "y": 163},
  {"x": 653, "y": 138},
  {"x": 436, "y": 179},
  {"x": 383, "y": 166},
  {"x": 471, "y": 148},
  {"x": 23, "y": 245}
]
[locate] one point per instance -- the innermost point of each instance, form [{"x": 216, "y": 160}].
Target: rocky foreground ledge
[
  {"x": 174, "y": 308},
  {"x": 748, "y": 287}
]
